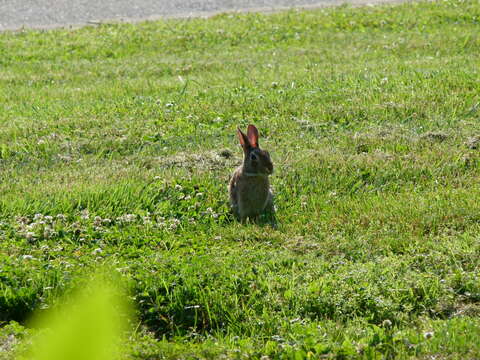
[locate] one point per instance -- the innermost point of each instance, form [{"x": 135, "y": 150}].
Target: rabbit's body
[
  {"x": 249, "y": 187},
  {"x": 249, "y": 195}
]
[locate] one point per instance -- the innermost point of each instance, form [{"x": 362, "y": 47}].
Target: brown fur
[{"x": 249, "y": 187}]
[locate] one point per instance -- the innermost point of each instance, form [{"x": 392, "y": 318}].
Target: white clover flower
[
  {"x": 48, "y": 218},
  {"x": 174, "y": 223},
  {"x": 178, "y": 187},
  {"x": 188, "y": 197},
  {"x": 97, "y": 251},
  {"x": 48, "y": 232},
  {"x": 130, "y": 217},
  {"x": 61, "y": 217},
  {"x": 199, "y": 194},
  {"x": 428, "y": 334},
  {"x": 127, "y": 218},
  {"x": 28, "y": 257},
  {"x": 37, "y": 217},
  {"x": 85, "y": 215},
  {"x": 208, "y": 211},
  {"x": 97, "y": 221}
]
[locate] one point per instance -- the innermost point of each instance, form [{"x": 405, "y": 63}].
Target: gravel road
[{"x": 15, "y": 14}]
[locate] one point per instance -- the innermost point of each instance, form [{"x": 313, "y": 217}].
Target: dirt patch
[
  {"x": 473, "y": 142},
  {"x": 468, "y": 309},
  {"x": 434, "y": 136},
  {"x": 206, "y": 161}
]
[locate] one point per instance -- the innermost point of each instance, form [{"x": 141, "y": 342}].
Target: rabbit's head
[{"x": 256, "y": 162}]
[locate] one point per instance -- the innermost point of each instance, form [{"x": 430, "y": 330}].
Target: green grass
[{"x": 113, "y": 135}]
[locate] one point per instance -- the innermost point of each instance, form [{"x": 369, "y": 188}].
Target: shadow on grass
[{"x": 269, "y": 218}]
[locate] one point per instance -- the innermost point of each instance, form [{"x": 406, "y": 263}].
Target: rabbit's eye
[{"x": 253, "y": 157}]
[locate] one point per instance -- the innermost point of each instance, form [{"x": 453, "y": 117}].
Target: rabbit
[{"x": 249, "y": 188}]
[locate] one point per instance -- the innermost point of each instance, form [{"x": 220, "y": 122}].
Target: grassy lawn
[{"x": 117, "y": 143}]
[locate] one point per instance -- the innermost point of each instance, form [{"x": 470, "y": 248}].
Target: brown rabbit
[{"x": 249, "y": 187}]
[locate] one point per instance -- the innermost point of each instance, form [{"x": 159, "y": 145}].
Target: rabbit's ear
[
  {"x": 243, "y": 140},
  {"x": 252, "y": 134}
]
